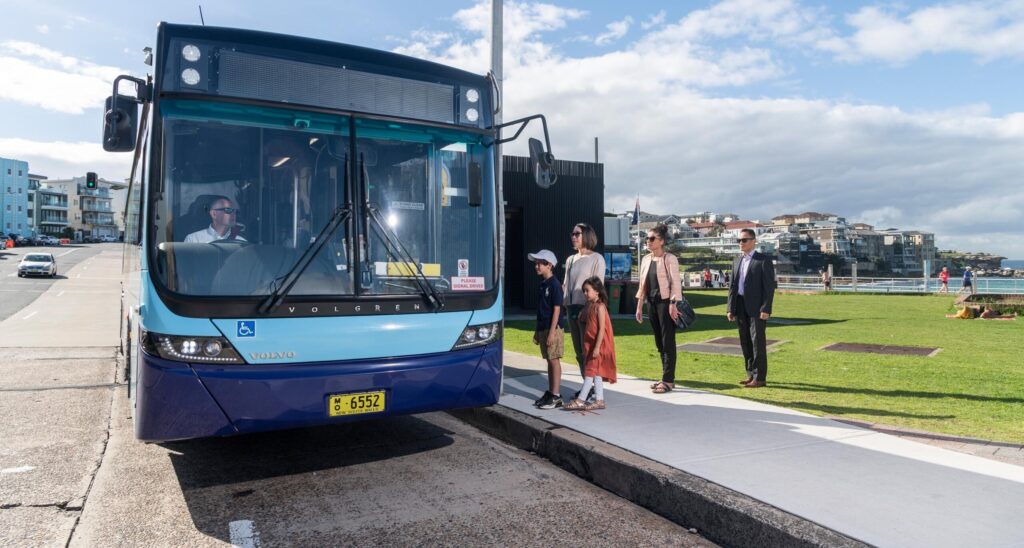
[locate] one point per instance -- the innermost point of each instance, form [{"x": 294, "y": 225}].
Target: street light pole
[{"x": 496, "y": 71}]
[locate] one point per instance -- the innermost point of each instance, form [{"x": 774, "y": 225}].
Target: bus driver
[{"x": 223, "y": 225}]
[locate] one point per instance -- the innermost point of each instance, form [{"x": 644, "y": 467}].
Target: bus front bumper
[{"x": 178, "y": 400}]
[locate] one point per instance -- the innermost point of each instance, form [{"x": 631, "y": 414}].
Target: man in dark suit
[{"x": 751, "y": 291}]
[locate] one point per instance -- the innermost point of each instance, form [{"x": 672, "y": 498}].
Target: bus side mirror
[
  {"x": 120, "y": 124},
  {"x": 542, "y": 164},
  {"x": 476, "y": 185}
]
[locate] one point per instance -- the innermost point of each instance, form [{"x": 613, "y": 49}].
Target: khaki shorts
[{"x": 553, "y": 351}]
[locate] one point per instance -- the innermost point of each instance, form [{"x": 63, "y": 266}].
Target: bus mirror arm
[{"x": 523, "y": 122}]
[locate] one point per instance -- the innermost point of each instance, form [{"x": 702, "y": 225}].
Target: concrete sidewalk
[{"x": 869, "y": 486}]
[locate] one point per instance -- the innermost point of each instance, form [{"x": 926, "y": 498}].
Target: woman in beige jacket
[{"x": 660, "y": 287}]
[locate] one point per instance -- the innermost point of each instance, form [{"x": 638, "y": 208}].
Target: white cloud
[
  {"x": 62, "y": 159},
  {"x": 655, "y": 20},
  {"x": 987, "y": 30},
  {"x": 664, "y": 136},
  {"x": 43, "y": 29},
  {"x": 784, "y": 21},
  {"x": 616, "y": 30},
  {"x": 37, "y": 76}
]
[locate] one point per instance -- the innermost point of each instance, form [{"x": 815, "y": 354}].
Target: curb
[{"x": 719, "y": 514}]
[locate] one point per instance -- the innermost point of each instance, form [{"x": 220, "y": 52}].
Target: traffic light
[{"x": 90, "y": 180}]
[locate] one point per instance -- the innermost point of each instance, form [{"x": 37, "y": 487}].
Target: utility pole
[{"x": 496, "y": 71}]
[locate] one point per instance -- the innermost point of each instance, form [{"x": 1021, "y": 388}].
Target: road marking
[
  {"x": 17, "y": 470},
  {"x": 243, "y": 534},
  {"x": 30, "y": 315},
  {"x": 59, "y": 294},
  {"x": 78, "y": 276},
  {"x": 68, "y": 251}
]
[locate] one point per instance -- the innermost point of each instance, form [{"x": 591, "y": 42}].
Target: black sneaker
[
  {"x": 545, "y": 399},
  {"x": 555, "y": 401}
]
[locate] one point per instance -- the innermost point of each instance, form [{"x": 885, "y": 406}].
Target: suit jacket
[{"x": 758, "y": 286}]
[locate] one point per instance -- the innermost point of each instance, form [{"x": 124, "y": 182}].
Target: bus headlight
[
  {"x": 472, "y": 95},
  {"x": 190, "y": 76},
  {"x": 190, "y": 53},
  {"x": 190, "y": 349},
  {"x": 478, "y": 335}
]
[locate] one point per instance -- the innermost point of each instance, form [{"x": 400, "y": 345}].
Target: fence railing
[{"x": 901, "y": 285}]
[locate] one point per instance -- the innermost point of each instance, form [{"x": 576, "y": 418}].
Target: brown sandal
[
  {"x": 596, "y": 404},
  {"x": 575, "y": 405},
  {"x": 662, "y": 387}
]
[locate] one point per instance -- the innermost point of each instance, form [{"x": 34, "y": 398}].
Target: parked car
[
  {"x": 108, "y": 239},
  {"x": 37, "y": 264},
  {"x": 48, "y": 240}
]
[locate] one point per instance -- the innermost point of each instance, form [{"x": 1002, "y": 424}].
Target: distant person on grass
[
  {"x": 551, "y": 322},
  {"x": 598, "y": 346},
  {"x": 944, "y": 278},
  {"x": 968, "y": 284},
  {"x": 750, "y": 305},
  {"x": 707, "y": 278},
  {"x": 826, "y": 280}
]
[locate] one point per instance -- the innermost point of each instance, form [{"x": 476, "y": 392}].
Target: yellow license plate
[{"x": 339, "y": 405}]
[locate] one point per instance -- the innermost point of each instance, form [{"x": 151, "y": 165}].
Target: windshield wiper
[
  {"x": 397, "y": 250},
  {"x": 340, "y": 215}
]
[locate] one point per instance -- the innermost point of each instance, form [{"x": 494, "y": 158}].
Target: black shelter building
[{"x": 538, "y": 218}]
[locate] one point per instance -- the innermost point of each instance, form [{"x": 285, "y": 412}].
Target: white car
[
  {"x": 108, "y": 238},
  {"x": 37, "y": 264},
  {"x": 49, "y": 240}
]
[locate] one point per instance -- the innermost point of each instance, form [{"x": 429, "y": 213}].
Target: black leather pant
[{"x": 664, "y": 337}]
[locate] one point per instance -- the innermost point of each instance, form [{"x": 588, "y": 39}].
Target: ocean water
[{"x": 1013, "y": 263}]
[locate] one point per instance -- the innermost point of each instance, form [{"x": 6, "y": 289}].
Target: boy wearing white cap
[{"x": 551, "y": 323}]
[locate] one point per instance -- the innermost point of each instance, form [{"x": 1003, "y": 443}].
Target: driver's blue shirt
[{"x": 208, "y": 235}]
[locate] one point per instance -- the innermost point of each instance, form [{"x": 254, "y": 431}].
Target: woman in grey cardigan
[
  {"x": 660, "y": 287},
  {"x": 584, "y": 264}
]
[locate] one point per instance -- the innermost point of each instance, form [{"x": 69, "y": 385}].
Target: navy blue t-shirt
[{"x": 550, "y": 297}]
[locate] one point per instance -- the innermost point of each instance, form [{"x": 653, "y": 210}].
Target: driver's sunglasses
[
  {"x": 651, "y": 238},
  {"x": 228, "y": 210},
  {"x": 576, "y": 234},
  {"x": 743, "y": 240}
]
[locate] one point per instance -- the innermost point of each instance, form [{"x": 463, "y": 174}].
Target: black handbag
[{"x": 686, "y": 316}]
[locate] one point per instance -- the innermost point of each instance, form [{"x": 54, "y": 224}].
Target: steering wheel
[{"x": 235, "y": 241}]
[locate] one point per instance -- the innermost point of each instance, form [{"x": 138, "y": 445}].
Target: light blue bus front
[{"x": 245, "y": 192}]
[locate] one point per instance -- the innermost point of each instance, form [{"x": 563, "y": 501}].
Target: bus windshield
[{"x": 246, "y": 189}]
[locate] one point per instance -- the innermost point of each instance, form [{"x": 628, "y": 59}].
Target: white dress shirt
[
  {"x": 208, "y": 235},
  {"x": 744, "y": 266}
]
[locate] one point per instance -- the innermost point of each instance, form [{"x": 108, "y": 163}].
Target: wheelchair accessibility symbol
[{"x": 247, "y": 328}]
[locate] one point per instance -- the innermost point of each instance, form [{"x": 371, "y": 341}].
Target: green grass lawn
[{"x": 974, "y": 387}]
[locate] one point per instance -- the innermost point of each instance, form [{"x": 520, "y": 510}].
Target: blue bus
[{"x": 311, "y": 233}]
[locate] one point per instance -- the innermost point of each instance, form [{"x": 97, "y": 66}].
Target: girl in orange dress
[{"x": 598, "y": 346}]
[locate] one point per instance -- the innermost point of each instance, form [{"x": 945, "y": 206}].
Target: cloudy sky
[{"x": 905, "y": 114}]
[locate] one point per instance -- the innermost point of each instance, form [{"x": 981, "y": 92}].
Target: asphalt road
[
  {"x": 17, "y": 293},
  {"x": 71, "y": 472}
]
